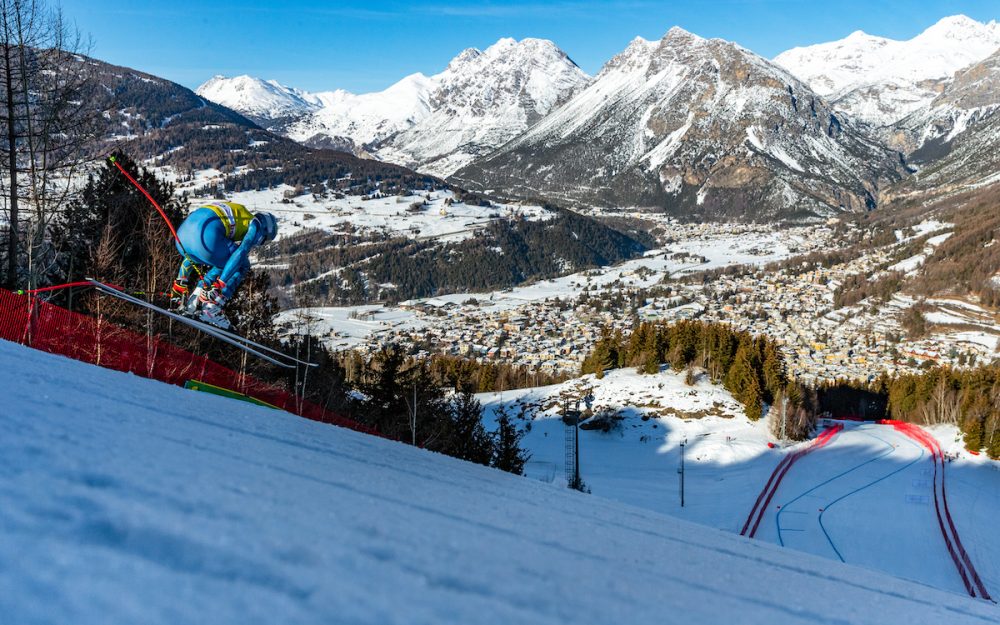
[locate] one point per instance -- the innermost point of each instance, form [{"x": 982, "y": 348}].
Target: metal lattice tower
[{"x": 570, "y": 455}]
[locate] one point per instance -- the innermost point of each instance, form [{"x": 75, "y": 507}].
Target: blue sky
[{"x": 366, "y": 46}]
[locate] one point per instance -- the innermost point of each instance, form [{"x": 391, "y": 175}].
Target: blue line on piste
[
  {"x": 831, "y": 504},
  {"x": 777, "y": 517}
]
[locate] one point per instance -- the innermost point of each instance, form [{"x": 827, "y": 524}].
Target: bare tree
[
  {"x": 943, "y": 406},
  {"x": 46, "y": 126}
]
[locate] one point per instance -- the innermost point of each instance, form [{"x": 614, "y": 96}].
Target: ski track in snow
[
  {"x": 866, "y": 499},
  {"x": 859, "y": 482},
  {"x": 128, "y": 501}
]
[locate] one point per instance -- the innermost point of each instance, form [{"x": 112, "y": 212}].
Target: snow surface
[
  {"x": 261, "y": 99},
  {"x": 389, "y": 215},
  {"x": 868, "y": 474},
  {"x": 836, "y": 501},
  {"x": 131, "y": 501},
  {"x": 911, "y": 264},
  {"x": 368, "y": 117}
]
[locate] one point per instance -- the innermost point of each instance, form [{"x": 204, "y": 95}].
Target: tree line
[
  {"x": 751, "y": 368},
  {"x": 504, "y": 254},
  {"x": 404, "y": 399},
  {"x": 967, "y": 398}
]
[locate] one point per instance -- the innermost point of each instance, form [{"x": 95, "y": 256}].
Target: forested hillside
[{"x": 341, "y": 269}]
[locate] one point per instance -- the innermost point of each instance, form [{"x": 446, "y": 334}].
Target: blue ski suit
[{"x": 219, "y": 235}]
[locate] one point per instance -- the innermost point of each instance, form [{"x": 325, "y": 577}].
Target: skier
[{"x": 216, "y": 240}]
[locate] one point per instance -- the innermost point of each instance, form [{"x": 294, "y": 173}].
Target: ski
[{"x": 263, "y": 352}]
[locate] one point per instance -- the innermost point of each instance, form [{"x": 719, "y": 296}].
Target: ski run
[{"x": 130, "y": 501}]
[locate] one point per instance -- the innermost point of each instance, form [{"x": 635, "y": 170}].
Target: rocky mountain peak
[
  {"x": 694, "y": 126},
  {"x": 974, "y": 87},
  {"x": 484, "y": 101},
  {"x": 463, "y": 59}
]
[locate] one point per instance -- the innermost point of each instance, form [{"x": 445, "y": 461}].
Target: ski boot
[
  {"x": 179, "y": 297},
  {"x": 193, "y": 302},
  {"x": 211, "y": 303},
  {"x": 212, "y": 313}
]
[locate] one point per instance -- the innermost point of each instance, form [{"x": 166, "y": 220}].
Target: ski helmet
[{"x": 268, "y": 225}]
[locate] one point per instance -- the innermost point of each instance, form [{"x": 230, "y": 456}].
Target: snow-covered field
[
  {"x": 867, "y": 499},
  {"x": 130, "y": 501},
  {"x": 864, "y": 499},
  {"x": 439, "y": 217},
  {"x": 726, "y": 459}
]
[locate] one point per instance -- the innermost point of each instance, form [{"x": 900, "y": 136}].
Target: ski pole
[
  {"x": 59, "y": 287},
  {"x": 51, "y": 288}
]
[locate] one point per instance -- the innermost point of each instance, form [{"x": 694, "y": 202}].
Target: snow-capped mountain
[
  {"x": 697, "y": 127},
  {"x": 483, "y": 100},
  {"x": 337, "y": 119},
  {"x": 882, "y": 80},
  {"x": 351, "y": 122},
  {"x": 261, "y": 100},
  {"x": 437, "y": 124},
  {"x": 955, "y": 142}
]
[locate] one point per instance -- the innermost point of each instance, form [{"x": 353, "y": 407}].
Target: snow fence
[{"x": 30, "y": 321}]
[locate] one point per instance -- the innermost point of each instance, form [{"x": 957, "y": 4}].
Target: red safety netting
[{"x": 28, "y": 320}]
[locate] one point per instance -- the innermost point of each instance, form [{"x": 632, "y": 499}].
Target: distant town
[{"x": 554, "y": 333}]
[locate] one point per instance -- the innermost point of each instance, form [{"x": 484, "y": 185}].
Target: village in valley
[{"x": 753, "y": 282}]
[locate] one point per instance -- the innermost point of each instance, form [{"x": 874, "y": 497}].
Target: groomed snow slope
[
  {"x": 866, "y": 498},
  {"x": 129, "y": 501}
]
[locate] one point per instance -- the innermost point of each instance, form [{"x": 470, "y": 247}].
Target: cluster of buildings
[
  {"x": 793, "y": 305},
  {"x": 820, "y": 341},
  {"x": 543, "y": 335}
]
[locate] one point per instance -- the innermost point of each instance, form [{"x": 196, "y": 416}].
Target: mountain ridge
[
  {"x": 697, "y": 127},
  {"x": 482, "y": 99}
]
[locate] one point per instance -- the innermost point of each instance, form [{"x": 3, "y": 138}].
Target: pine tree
[
  {"x": 468, "y": 439},
  {"x": 111, "y": 231},
  {"x": 384, "y": 405},
  {"x": 507, "y": 453},
  {"x": 975, "y": 411},
  {"x": 774, "y": 372},
  {"x": 752, "y": 400},
  {"x": 739, "y": 374},
  {"x": 991, "y": 435}
]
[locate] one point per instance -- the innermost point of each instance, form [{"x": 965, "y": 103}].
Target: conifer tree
[
  {"x": 991, "y": 434},
  {"x": 384, "y": 406},
  {"x": 468, "y": 439},
  {"x": 774, "y": 372},
  {"x": 975, "y": 411},
  {"x": 507, "y": 453},
  {"x": 739, "y": 374},
  {"x": 752, "y": 399},
  {"x": 112, "y": 218}
]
